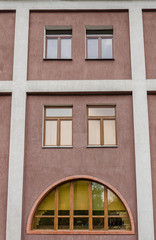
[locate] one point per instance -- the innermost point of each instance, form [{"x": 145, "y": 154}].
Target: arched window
[{"x": 83, "y": 206}]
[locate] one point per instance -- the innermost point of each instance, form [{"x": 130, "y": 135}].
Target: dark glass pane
[
  {"x": 43, "y": 223},
  {"x": 98, "y": 223},
  {"x": 81, "y": 223},
  {"x": 99, "y": 32},
  {"x": 118, "y": 224},
  {"x": 115, "y": 205},
  {"x": 59, "y": 32},
  {"x": 63, "y": 212},
  {"x": 97, "y": 199},
  {"x": 46, "y": 207},
  {"x": 81, "y": 197},
  {"x": 63, "y": 223}
]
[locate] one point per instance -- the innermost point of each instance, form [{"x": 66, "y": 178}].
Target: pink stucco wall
[
  {"x": 5, "y": 110},
  {"x": 149, "y": 26},
  {"x": 79, "y": 68},
  {"x": 44, "y": 167},
  {"x": 152, "y": 128},
  {"x": 7, "y": 29}
]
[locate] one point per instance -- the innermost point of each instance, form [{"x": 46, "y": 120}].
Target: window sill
[
  {"x": 100, "y": 59},
  {"x": 99, "y": 146},
  {"x": 57, "y": 147},
  {"x": 57, "y": 59}
]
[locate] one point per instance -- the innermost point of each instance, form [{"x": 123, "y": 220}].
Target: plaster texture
[
  {"x": 149, "y": 24},
  {"x": 152, "y": 127},
  {"x": 7, "y": 29},
  {"x": 79, "y": 68},
  {"x": 44, "y": 167},
  {"x": 5, "y": 112}
]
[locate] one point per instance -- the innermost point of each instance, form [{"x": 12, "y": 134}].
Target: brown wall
[
  {"x": 7, "y": 29},
  {"x": 149, "y": 26},
  {"x": 78, "y": 68},
  {"x": 44, "y": 167},
  {"x": 5, "y": 110},
  {"x": 152, "y": 128}
]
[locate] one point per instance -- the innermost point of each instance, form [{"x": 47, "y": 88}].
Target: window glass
[
  {"x": 115, "y": 206},
  {"x": 109, "y": 132},
  {"x": 51, "y": 133},
  {"x": 58, "y": 112},
  {"x": 66, "y": 133},
  {"x": 81, "y": 204},
  {"x": 64, "y": 199},
  {"x": 51, "y": 48},
  {"x": 92, "y": 48},
  {"x": 101, "y": 111},
  {"x": 94, "y": 132},
  {"x": 43, "y": 223},
  {"x": 106, "y": 48},
  {"x": 65, "y": 48},
  {"x": 98, "y": 223},
  {"x": 97, "y": 199},
  {"x": 47, "y": 205}
]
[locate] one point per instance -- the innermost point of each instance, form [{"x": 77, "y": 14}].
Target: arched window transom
[{"x": 81, "y": 206}]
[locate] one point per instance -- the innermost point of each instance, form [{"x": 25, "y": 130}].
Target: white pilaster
[
  {"x": 17, "y": 132},
  {"x": 141, "y": 128}
]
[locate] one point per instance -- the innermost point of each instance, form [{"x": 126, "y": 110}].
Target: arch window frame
[{"x": 71, "y": 216}]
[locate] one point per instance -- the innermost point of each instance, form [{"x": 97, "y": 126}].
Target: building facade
[{"x": 77, "y": 104}]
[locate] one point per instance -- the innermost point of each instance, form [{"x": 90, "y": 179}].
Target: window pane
[
  {"x": 98, "y": 223},
  {"x": 115, "y": 206},
  {"x": 43, "y": 223},
  {"x": 81, "y": 197},
  {"x": 66, "y": 133},
  {"x": 92, "y": 48},
  {"x": 46, "y": 207},
  {"x": 63, "y": 223},
  {"x": 109, "y": 132},
  {"x": 94, "y": 132},
  {"x": 65, "y": 48},
  {"x": 51, "y": 48},
  {"x": 107, "y": 48},
  {"x": 51, "y": 133},
  {"x": 101, "y": 111},
  {"x": 119, "y": 224},
  {"x": 81, "y": 223},
  {"x": 64, "y": 199},
  {"x": 58, "y": 112},
  {"x": 97, "y": 199}
]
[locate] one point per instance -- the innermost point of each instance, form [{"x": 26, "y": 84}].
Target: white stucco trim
[
  {"x": 17, "y": 131},
  {"x": 141, "y": 129}
]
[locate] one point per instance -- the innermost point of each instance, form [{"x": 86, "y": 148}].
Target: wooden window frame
[
  {"x": 58, "y": 119},
  {"x": 101, "y": 119},
  {"x": 58, "y": 38},
  {"x": 71, "y": 216},
  {"x": 99, "y": 37}
]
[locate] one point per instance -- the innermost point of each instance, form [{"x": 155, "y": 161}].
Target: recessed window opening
[
  {"x": 99, "y": 43},
  {"x": 101, "y": 125},
  {"x": 57, "y": 126},
  {"x": 58, "y": 44},
  {"x": 81, "y": 205}
]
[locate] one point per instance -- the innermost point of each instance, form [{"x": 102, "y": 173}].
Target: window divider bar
[
  {"x": 71, "y": 205},
  {"x": 105, "y": 209},
  {"x": 90, "y": 205},
  {"x": 58, "y": 132},
  {"x": 56, "y": 210},
  {"x": 102, "y": 131}
]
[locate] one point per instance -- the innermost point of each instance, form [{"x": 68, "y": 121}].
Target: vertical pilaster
[
  {"x": 141, "y": 128},
  {"x": 17, "y": 132}
]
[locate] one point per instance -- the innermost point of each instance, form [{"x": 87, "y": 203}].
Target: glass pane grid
[{"x": 86, "y": 218}]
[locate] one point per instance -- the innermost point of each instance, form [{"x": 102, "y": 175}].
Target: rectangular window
[
  {"x": 58, "y": 44},
  {"x": 101, "y": 125},
  {"x": 58, "y": 126},
  {"x": 99, "y": 44}
]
